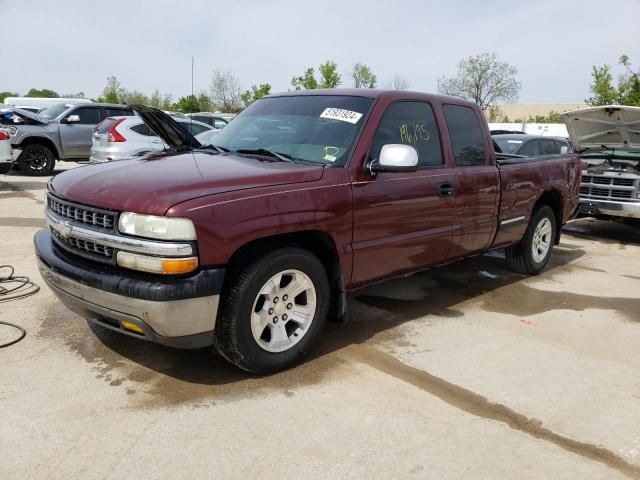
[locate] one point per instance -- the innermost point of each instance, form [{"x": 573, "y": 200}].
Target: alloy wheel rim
[
  {"x": 541, "y": 240},
  {"x": 283, "y": 311},
  {"x": 36, "y": 160}
]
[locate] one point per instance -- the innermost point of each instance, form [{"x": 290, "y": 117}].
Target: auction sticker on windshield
[{"x": 340, "y": 114}]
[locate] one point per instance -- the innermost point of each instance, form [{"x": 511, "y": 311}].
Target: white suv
[{"x": 122, "y": 138}]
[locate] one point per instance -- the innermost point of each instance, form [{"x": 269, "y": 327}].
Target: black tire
[
  {"x": 520, "y": 257},
  {"x": 36, "y": 160},
  {"x": 233, "y": 334}
]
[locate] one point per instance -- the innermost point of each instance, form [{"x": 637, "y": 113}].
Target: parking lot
[{"x": 464, "y": 371}]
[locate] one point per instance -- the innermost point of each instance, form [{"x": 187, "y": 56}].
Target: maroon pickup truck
[{"x": 252, "y": 243}]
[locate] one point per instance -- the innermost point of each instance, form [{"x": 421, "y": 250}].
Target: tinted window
[
  {"x": 219, "y": 123},
  {"x": 118, "y": 112},
  {"x": 105, "y": 125},
  {"x": 203, "y": 118},
  {"x": 531, "y": 148},
  {"x": 193, "y": 128},
  {"x": 467, "y": 136},
  {"x": 508, "y": 145},
  {"x": 88, "y": 116},
  {"x": 142, "y": 129},
  {"x": 410, "y": 123}
]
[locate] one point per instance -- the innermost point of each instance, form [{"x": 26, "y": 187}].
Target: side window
[
  {"x": 563, "y": 147},
  {"x": 88, "y": 116},
  {"x": 410, "y": 123},
  {"x": 531, "y": 148},
  {"x": 119, "y": 112},
  {"x": 142, "y": 129},
  {"x": 467, "y": 135},
  {"x": 549, "y": 147},
  {"x": 219, "y": 123},
  {"x": 195, "y": 129}
]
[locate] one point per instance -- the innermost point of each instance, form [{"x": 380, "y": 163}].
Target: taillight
[
  {"x": 113, "y": 135},
  {"x": 4, "y": 135}
]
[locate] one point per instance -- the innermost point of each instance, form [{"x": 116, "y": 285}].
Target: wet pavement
[{"x": 467, "y": 371}]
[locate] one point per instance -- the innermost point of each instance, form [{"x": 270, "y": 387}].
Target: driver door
[
  {"x": 403, "y": 221},
  {"x": 76, "y": 135}
]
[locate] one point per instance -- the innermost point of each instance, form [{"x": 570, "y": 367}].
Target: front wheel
[
  {"x": 274, "y": 311},
  {"x": 36, "y": 160},
  {"x": 531, "y": 255}
]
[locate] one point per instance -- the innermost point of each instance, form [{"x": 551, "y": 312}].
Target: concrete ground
[{"x": 468, "y": 371}]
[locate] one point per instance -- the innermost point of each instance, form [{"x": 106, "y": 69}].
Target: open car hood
[
  {"x": 611, "y": 126},
  {"x": 25, "y": 114},
  {"x": 166, "y": 128}
]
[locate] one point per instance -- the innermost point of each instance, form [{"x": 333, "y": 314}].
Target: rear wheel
[
  {"x": 531, "y": 255},
  {"x": 274, "y": 311},
  {"x": 36, "y": 160}
]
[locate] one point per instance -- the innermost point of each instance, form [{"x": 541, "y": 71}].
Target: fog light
[
  {"x": 132, "y": 327},
  {"x": 168, "y": 266}
]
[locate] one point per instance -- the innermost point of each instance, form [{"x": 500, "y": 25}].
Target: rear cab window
[
  {"x": 466, "y": 134},
  {"x": 410, "y": 123}
]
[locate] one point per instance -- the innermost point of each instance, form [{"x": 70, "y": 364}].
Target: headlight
[{"x": 162, "y": 228}]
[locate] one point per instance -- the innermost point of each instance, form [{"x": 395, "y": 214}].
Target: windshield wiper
[
  {"x": 283, "y": 157},
  {"x": 218, "y": 149}
]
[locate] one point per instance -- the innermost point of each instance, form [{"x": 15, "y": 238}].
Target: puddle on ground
[{"x": 157, "y": 376}]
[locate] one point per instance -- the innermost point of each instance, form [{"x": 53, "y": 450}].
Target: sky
[{"x": 73, "y": 45}]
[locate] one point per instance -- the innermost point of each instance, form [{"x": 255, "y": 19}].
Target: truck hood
[
  {"x": 26, "y": 115},
  {"x": 155, "y": 184},
  {"x": 611, "y": 127}
]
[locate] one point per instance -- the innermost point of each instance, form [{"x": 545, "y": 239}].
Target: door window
[
  {"x": 531, "y": 149},
  {"x": 410, "y": 123},
  {"x": 88, "y": 116},
  {"x": 467, "y": 135}
]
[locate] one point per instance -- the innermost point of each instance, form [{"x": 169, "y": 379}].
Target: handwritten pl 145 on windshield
[{"x": 340, "y": 114}]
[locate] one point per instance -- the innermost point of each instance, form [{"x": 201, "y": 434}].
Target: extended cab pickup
[{"x": 251, "y": 244}]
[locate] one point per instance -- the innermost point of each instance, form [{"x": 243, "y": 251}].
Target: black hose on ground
[{"x": 14, "y": 287}]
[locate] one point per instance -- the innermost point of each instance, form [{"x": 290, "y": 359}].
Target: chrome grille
[
  {"x": 610, "y": 187},
  {"x": 81, "y": 214},
  {"x": 85, "y": 248}
]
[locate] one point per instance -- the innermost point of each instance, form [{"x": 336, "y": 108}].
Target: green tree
[
  {"x": 629, "y": 84},
  {"x": 306, "y": 81},
  {"x": 112, "y": 92},
  {"x": 256, "y": 93},
  {"x": 155, "y": 100},
  {"x": 363, "y": 77},
  {"x": 604, "y": 93},
  {"x": 133, "y": 97},
  {"x": 603, "y": 90},
  {"x": 188, "y": 104},
  {"x": 482, "y": 79},
  {"x": 4, "y": 95},
  {"x": 204, "y": 102},
  {"x": 329, "y": 76},
  {"x": 44, "y": 93},
  {"x": 552, "y": 117}
]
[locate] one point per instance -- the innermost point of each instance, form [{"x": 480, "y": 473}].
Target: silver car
[{"x": 123, "y": 138}]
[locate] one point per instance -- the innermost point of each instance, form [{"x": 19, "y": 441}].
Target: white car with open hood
[{"x": 608, "y": 140}]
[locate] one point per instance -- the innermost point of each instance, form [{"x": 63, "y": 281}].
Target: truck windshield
[
  {"x": 54, "y": 110},
  {"x": 312, "y": 128},
  {"x": 507, "y": 145}
]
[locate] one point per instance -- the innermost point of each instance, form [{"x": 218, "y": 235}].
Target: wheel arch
[
  {"x": 318, "y": 242},
  {"x": 553, "y": 198},
  {"x": 44, "y": 141}
]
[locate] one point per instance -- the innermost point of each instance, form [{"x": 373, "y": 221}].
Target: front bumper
[
  {"x": 594, "y": 208},
  {"x": 178, "y": 312}
]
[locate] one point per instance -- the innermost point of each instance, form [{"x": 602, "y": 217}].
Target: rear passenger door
[
  {"x": 402, "y": 221},
  {"x": 476, "y": 181},
  {"x": 76, "y": 136}
]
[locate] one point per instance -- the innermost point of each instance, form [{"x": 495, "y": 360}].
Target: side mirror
[
  {"x": 395, "y": 157},
  {"x": 72, "y": 119}
]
